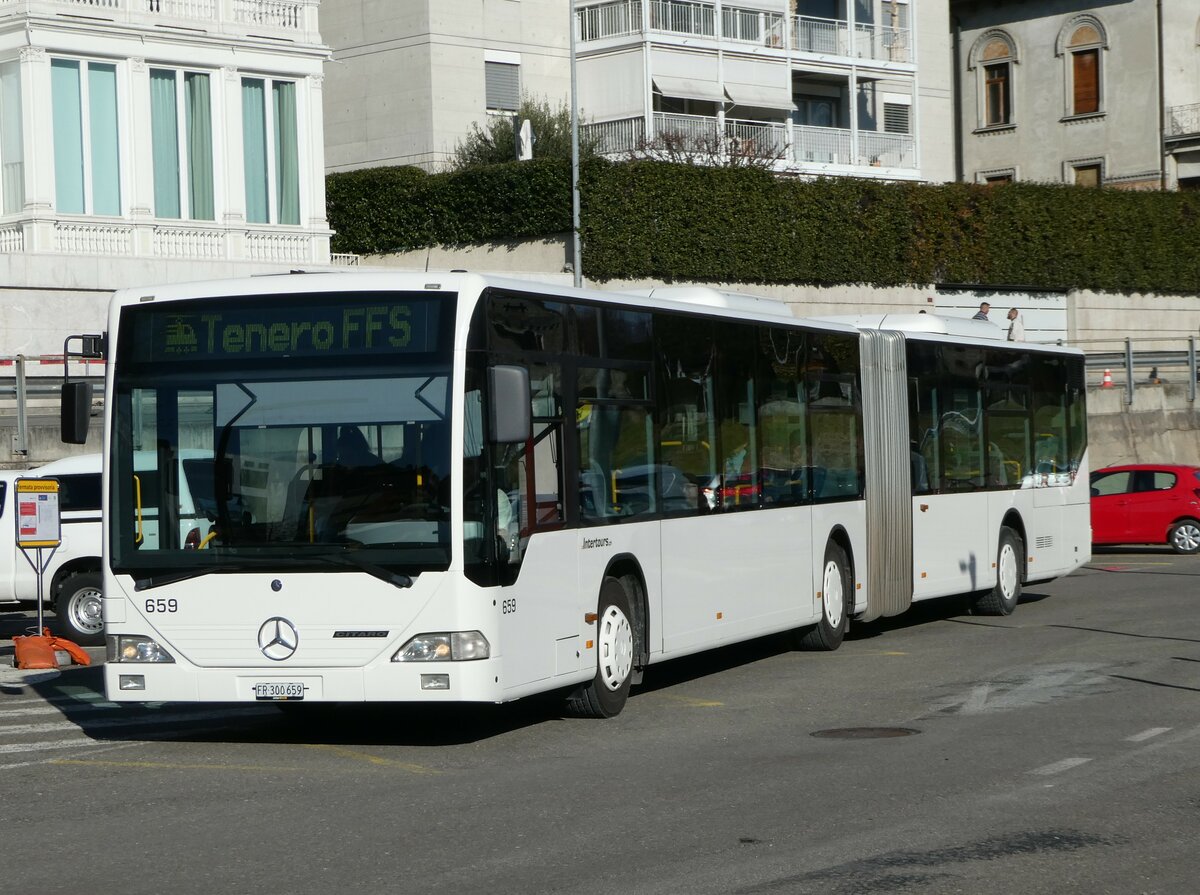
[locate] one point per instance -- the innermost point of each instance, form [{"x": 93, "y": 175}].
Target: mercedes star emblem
[{"x": 277, "y": 638}]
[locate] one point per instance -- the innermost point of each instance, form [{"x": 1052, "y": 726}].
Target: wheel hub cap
[
  {"x": 835, "y": 597},
  {"x": 616, "y": 648}
]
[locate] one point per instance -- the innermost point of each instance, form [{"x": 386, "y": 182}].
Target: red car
[{"x": 1147, "y": 504}]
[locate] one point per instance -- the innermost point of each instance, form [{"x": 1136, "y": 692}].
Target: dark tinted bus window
[
  {"x": 520, "y": 323},
  {"x": 687, "y": 422},
  {"x": 831, "y": 382},
  {"x": 782, "y": 424},
  {"x": 79, "y": 492},
  {"x": 3, "y": 495},
  {"x": 737, "y": 433},
  {"x": 613, "y": 333}
]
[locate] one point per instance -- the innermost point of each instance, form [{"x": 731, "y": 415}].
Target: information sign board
[{"x": 37, "y": 513}]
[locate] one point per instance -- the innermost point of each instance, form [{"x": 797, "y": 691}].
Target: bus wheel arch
[
  {"x": 1002, "y": 598},
  {"x": 621, "y": 641},
  {"x": 836, "y": 575}
]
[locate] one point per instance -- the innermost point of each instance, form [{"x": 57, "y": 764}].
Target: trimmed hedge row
[{"x": 682, "y": 222}]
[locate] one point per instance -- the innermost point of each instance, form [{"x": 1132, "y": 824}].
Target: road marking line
[
  {"x": 1146, "y": 734},
  {"x": 372, "y": 759},
  {"x": 73, "y": 743},
  {"x": 44, "y": 709},
  {"x": 1065, "y": 765},
  {"x": 170, "y": 766}
]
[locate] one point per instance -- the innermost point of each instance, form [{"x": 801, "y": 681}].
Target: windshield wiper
[
  {"x": 355, "y": 562},
  {"x": 152, "y": 581}
]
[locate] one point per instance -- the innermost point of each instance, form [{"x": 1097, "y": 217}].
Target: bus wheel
[
  {"x": 1002, "y": 599},
  {"x": 78, "y": 607},
  {"x": 836, "y": 592},
  {"x": 605, "y": 695}
]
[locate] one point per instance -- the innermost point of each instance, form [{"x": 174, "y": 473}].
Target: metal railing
[
  {"x": 803, "y": 34},
  {"x": 1128, "y": 368}
]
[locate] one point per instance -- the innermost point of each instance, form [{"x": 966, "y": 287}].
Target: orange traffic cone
[{"x": 1106, "y": 382}]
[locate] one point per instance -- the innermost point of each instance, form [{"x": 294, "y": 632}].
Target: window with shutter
[
  {"x": 1086, "y": 76},
  {"x": 896, "y": 118},
  {"x": 503, "y": 86}
]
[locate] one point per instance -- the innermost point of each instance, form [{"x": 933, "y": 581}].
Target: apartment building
[
  {"x": 816, "y": 87},
  {"x": 409, "y": 78},
  {"x": 1089, "y": 92},
  {"x": 152, "y": 140}
]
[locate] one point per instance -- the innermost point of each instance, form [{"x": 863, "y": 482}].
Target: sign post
[{"x": 38, "y": 528}]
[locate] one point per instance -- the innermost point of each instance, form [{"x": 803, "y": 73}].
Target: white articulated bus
[{"x": 447, "y": 487}]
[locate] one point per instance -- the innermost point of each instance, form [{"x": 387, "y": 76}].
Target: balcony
[
  {"x": 736, "y": 25},
  {"x": 1183, "y": 121},
  {"x": 295, "y": 20},
  {"x": 784, "y": 147},
  {"x": 164, "y": 240}
]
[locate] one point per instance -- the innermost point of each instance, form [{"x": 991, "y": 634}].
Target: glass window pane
[
  {"x": 164, "y": 139},
  {"x": 737, "y": 356},
  {"x": 67, "y": 100},
  {"x": 616, "y": 476},
  {"x": 687, "y": 428},
  {"x": 198, "y": 110},
  {"x": 834, "y": 416},
  {"x": 12, "y": 150},
  {"x": 106, "y": 148},
  {"x": 287, "y": 153},
  {"x": 782, "y": 425},
  {"x": 254, "y": 150},
  {"x": 1107, "y": 483}
]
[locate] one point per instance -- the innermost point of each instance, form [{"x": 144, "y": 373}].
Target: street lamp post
[{"x": 576, "y": 265}]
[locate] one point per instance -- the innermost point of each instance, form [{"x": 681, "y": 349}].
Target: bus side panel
[
  {"x": 597, "y": 547},
  {"x": 851, "y": 516},
  {"x": 953, "y": 544},
  {"x": 543, "y": 607},
  {"x": 735, "y": 575}
]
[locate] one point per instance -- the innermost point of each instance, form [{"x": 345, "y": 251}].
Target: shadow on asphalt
[{"x": 78, "y": 692}]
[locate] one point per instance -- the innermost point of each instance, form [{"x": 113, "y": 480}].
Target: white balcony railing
[
  {"x": 788, "y": 147},
  {"x": 1183, "y": 121},
  {"x": 298, "y": 18},
  {"x": 802, "y": 34}
]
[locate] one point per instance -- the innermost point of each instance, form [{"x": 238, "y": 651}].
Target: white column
[
  {"x": 138, "y": 152},
  {"x": 37, "y": 145},
  {"x": 314, "y": 173},
  {"x": 229, "y": 81}
]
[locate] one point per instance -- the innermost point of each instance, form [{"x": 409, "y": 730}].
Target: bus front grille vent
[{"x": 1045, "y": 542}]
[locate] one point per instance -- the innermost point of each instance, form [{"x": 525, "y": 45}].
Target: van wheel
[
  {"x": 79, "y": 609},
  {"x": 1010, "y": 564},
  {"x": 604, "y": 696},
  {"x": 837, "y": 594}
]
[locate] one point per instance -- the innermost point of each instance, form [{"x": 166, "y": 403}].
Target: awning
[
  {"x": 760, "y": 95},
  {"x": 689, "y": 88}
]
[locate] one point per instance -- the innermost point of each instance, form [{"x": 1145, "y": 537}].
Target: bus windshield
[{"x": 297, "y": 454}]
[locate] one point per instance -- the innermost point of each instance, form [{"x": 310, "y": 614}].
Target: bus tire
[
  {"x": 604, "y": 696},
  {"x": 1002, "y": 599},
  {"x": 1184, "y": 537},
  {"x": 77, "y": 604},
  {"x": 837, "y": 588}
]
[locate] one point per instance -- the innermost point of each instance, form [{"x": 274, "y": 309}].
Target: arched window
[
  {"x": 1082, "y": 43},
  {"x": 993, "y": 58}
]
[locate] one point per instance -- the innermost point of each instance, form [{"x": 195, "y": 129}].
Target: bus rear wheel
[
  {"x": 837, "y": 594},
  {"x": 1002, "y": 599},
  {"x": 604, "y": 696}
]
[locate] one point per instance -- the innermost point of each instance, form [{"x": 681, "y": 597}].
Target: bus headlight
[
  {"x": 135, "y": 648},
  {"x": 447, "y": 646}
]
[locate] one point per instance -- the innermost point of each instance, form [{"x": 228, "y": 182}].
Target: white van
[{"x": 72, "y": 580}]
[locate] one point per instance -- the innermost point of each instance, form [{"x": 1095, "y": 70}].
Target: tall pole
[{"x": 576, "y": 265}]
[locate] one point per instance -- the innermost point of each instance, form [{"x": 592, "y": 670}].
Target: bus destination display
[{"x": 378, "y": 324}]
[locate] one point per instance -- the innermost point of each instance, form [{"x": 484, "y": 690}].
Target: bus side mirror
[
  {"x": 75, "y": 412},
  {"x": 509, "y": 421}
]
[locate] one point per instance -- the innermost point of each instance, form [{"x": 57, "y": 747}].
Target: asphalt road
[{"x": 1054, "y": 751}]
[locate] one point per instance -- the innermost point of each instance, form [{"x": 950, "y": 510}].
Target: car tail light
[{"x": 192, "y": 541}]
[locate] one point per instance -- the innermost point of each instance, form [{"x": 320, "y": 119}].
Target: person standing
[
  {"x": 982, "y": 313},
  {"x": 1016, "y": 326}
]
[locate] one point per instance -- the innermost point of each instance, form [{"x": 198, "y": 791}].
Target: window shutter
[
  {"x": 1086, "y": 81},
  {"x": 503, "y": 82},
  {"x": 896, "y": 118}
]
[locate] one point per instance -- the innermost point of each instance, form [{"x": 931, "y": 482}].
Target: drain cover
[{"x": 864, "y": 733}]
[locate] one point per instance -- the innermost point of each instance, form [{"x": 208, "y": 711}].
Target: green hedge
[{"x": 679, "y": 222}]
